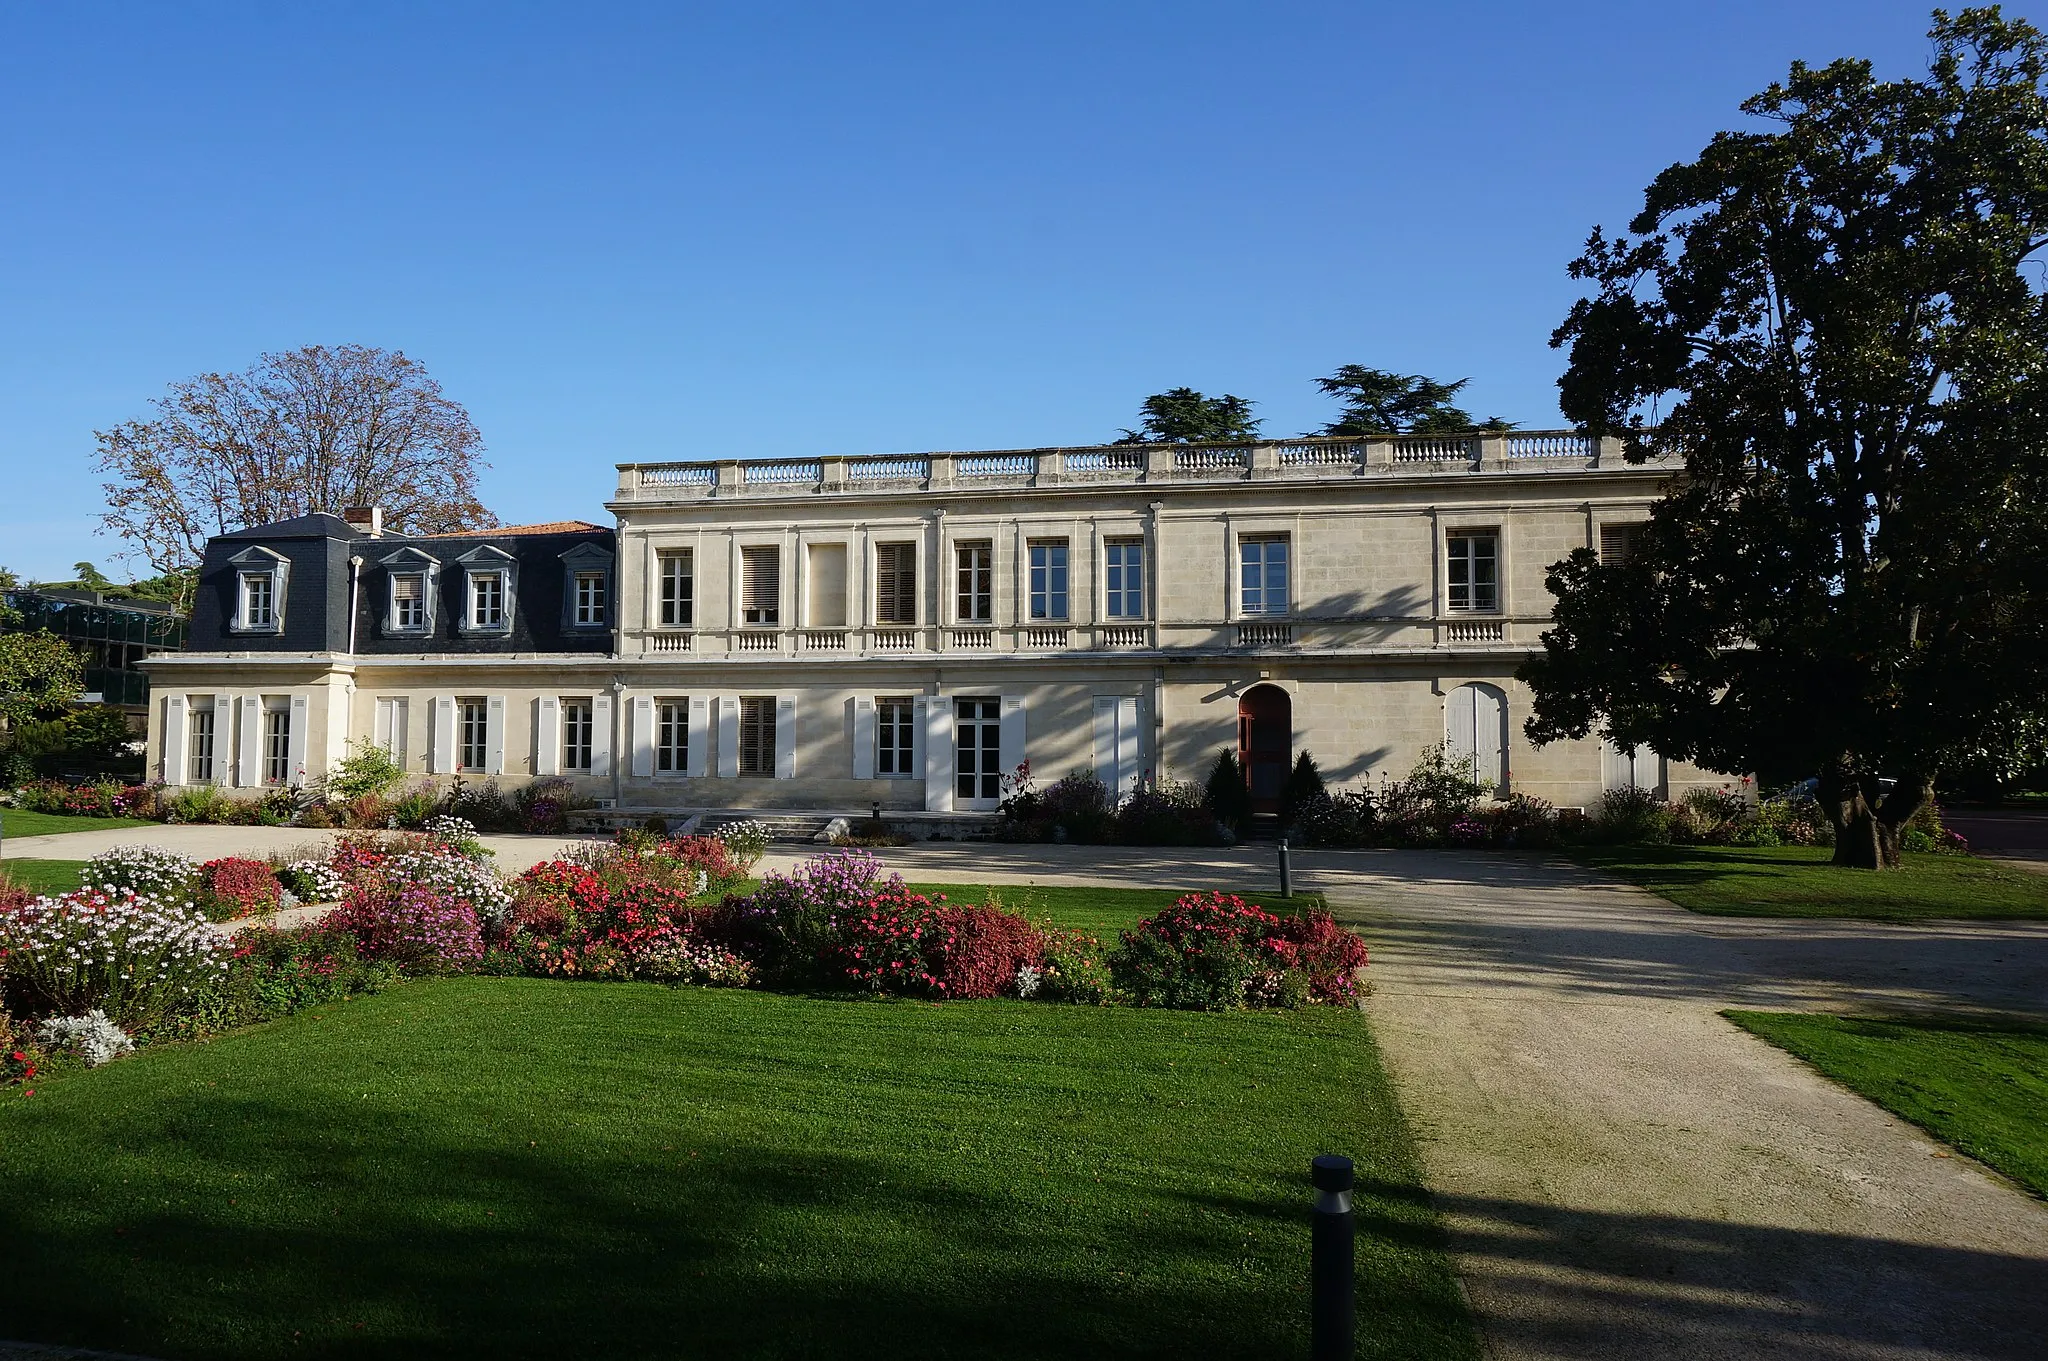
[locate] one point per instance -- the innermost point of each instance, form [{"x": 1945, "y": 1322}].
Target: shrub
[
  {"x": 92, "y": 1037},
  {"x": 150, "y": 871},
  {"x": 367, "y": 769},
  {"x": 313, "y": 881},
  {"x": 1302, "y": 789},
  {"x": 234, "y": 887},
  {"x": 21, "y": 1056},
  {"x": 981, "y": 949},
  {"x": 1070, "y": 967},
  {"x": 544, "y": 805},
  {"x": 1632, "y": 815},
  {"x": 1326, "y": 955},
  {"x": 746, "y": 841},
  {"x": 891, "y": 942},
  {"x": 1171, "y": 814},
  {"x": 418, "y": 928},
  {"x": 199, "y": 804},
  {"x": 677, "y": 959},
  {"x": 800, "y": 912},
  {"x": 1526, "y": 820},
  {"x": 1230, "y": 797},
  {"x": 1214, "y": 952},
  {"x": 483, "y": 806},
  {"x": 457, "y": 835},
  {"x": 413, "y": 808},
  {"x": 1346, "y": 818},
  {"x": 132, "y": 956}
]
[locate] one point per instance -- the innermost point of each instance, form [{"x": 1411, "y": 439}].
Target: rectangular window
[
  {"x": 1262, "y": 576},
  {"x": 1473, "y": 571},
  {"x": 1049, "y": 579},
  {"x": 487, "y": 600},
  {"x": 199, "y": 742},
  {"x": 977, "y": 749},
  {"x": 473, "y": 732},
  {"x": 1618, "y": 543},
  {"x": 975, "y": 572},
  {"x": 757, "y": 736},
  {"x": 672, "y": 736},
  {"x": 576, "y": 733},
  {"x": 678, "y": 594},
  {"x": 409, "y": 600},
  {"x": 590, "y": 599},
  {"x": 761, "y": 585},
  {"x": 1125, "y": 571},
  {"x": 896, "y": 583},
  {"x": 277, "y": 745},
  {"x": 895, "y": 735},
  {"x": 259, "y": 608}
]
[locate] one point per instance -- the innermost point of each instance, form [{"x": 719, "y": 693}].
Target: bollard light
[
  {"x": 1333, "y": 1309},
  {"x": 1286, "y": 871}
]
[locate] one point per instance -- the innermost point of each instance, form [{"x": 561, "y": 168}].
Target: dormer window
[
  {"x": 260, "y": 579},
  {"x": 586, "y": 588},
  {"x": 590, "y": 600},
  {"x": 410, "y": 577},
  {"x": 490, "y": 590}
]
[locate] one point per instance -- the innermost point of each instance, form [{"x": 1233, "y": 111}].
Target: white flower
[{"x": 92, "y": 1036}]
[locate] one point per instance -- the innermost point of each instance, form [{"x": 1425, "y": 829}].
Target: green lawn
[
  {"x": 1798, "y": 881},
  {"x": 44, "y": 876},
  {"x": 1978, "y": 1085},
  {"x": 20, "y": 822},
  {"x": 529, "y": 1168}
]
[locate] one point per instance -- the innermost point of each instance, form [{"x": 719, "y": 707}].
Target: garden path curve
[{"x": 1624, "y": 1173}]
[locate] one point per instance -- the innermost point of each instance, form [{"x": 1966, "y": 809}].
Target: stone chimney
[{"x": 368, "y": 519}]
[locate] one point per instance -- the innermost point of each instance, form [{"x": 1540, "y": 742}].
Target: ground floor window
[
  {"x": 576, "y": 733},
  {"x": 672, "y": 736},
  {"x": 199, "y": 743},
  {"x": 473, "y": 728},
  {"x": 757, "y": 736},
  {"x": 895, "y": 734},
  {"x": 277, "y": 744},
  {"x": 977, "y": 748}
]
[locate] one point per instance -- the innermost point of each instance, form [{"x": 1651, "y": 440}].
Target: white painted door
[{"x": 1476, "y": 728}]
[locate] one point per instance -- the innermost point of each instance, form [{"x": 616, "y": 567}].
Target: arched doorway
[{"x": 1265, "y": 737}]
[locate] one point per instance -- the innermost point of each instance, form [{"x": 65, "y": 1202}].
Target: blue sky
[{"x": 619, "y": 231}]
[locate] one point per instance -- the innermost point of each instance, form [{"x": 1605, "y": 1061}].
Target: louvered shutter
[
  {"x": 601, "y": 735},
  {"x": 935, "y": 714},
  {"x": 863, "y": 738},
  {"x": 896, "y": 583},
  {"x": 223, "y": 739},
  {"x": 761, "y": 584},
  {"x": 785, "y": 737},
  {"x": 1617, "y": 543},
  {"x": 1012, "y": 751},
  {"x": 547, "y": 735},
  {"x": 443, "y": 750},
  {"x": 643, "y": 736},
  {"x": 249, "y": 759},
  {"x": 175, "y": 738},
  {"x": 295, "y": 740},
  {"x": 700, "y": 732},
  {"x": 728, "y": 736}
]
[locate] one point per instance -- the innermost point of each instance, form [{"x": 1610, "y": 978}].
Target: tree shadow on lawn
[{"x": 402, "y": 1248}]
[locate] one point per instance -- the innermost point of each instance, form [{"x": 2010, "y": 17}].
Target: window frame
[
  {"x": 273, "y": 569},
  {"x": 896, "y": 737},
  {"x": 1040, "y": 578},
  {"x": 1468, "y": 562},
  {"x": 756, "y": 732},
  {"x": 410, "y": 562},
  {"x": 671, "y": 736},
  {"x": 200, "y": 731},
  {"x": 592, "y": 607},
  {"x": 890, "y": 611},
  {"x": 587, "y": 561},
  {"x": 277, "y": 744},
  {"x": 771, "y": 614},
  {"x": 1119, "y": 594},
  {"x": 675, "y": 609},
  {"x": 1254, "y": 601},
  {"x": 479, "y": 563},
  {"x": 974, "y": 582},
  {"x": 578, "y": 713},
  {"x": 472, "y": 734}
]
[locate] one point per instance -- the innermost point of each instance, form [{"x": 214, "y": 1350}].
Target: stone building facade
[{"x": 836, "y": 633}]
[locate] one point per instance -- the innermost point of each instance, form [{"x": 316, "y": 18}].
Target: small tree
[
  {"x": 1381, "y": 402},
  {"x": 1229, "y": 797},
  {"x": 40, "y": 676},
  {"x": 1185, "y": 416},
  {"x": 367, "y": 769},
  {"x": 1304, "y": 787}
]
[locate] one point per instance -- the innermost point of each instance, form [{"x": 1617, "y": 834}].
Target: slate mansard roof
[{"x": 311, "y": 554}]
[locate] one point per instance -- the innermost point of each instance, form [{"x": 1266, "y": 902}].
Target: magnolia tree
[{"x": 1837, "y": 320}]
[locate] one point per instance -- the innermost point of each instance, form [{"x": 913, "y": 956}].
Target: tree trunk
[{"x": 1867, "y": 828}]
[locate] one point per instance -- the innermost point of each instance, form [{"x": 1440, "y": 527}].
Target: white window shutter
[
  {"x": 1126, "y": 746},
  {"x": 443, "y": 760},
  {"x": 1489, "y": 732},
  {"x": 1460, "y": 731},
  {"x": 223, "y": 739},
  {"x": 728, "y": 737},
  {"x": 547, "y": 735},
  {"x": 381, "y": 732},
  {"x": 295, "y": 740},
  {"x": 1105, "y": 741},
  {"x": 175, "y": 739},
  {"x": 494, "y": 735},
  {"x": 643, "y": 737},
  {"x": 936, "y": 715},
  {"x": 1012, "y": 734},
  {"x": 863, "y": 737},
  {"x": 700, "y": 734},
  {"x": 601, "y": 735},
  {"x": 785, "y": 737},
  {"x": 249, "y": 763}
]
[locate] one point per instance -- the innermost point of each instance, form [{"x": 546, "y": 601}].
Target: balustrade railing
[
  {"x": 1320, "y": 455},
  {"x": 1265, "y": 635},
  {"x": 668, "y": 642},
  {"x": 973, "y": 640},
  {"x": 895, "y": 640},
  {"x": 1551, "y": 445},
  {"x": 1475, "y": 631},
  {"x": 1210, "y": 460},
  {"x": 783, "y": 474},
  {"x": 1435, "y": 449},
  {"x": 1106, "y": 461},
  {"x": 760, "y": 641},
  {"x": 1045, "y": 637},
  {"x": 822, "y": 640},
  {"x": 889, "y": 469},
  {"x": 995, "y": 465},
  {"x": 1123, "y": 635},
  {"x": 677, "y": 474}
]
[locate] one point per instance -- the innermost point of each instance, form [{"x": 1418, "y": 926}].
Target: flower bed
[{"x": 235, "y": 887}]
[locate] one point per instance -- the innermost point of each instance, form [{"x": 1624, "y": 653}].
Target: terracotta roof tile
[{"x": 508, "y": 531}]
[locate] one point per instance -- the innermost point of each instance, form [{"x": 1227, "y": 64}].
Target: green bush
[
  {"x": 1633, "y": 816},
  {"x": 1230, "y": 798},
  {"x": 1302, "y": 790},
  {"x": 367, "y": 769}
]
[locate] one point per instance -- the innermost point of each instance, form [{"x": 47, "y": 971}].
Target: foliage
[
  {"x": 1230, "y": 795},
  {"x": 97, "y": 799},
  {"x": 92, "y": 1037},
  {"x": 544, "y": 805},
  {"x": 1380, "y": 402},
  {"x": 40, "y": 676},
  {"x": 1839, "y": 319},
  {"x": 1302, "y": 789},
  {"x": 1185, "y": 416},
  {"x": 130, "y": 955},
  {"x": 1070, "y": 966},
  {"x": 87, "y": 732},
  {"x": 148, "y": 870},
  {"x": 367, "y": 769},
  {"x": 747, "y": 841},
  {"x": 417, "y": 927},
  {"x": 311, "y": 429},
  {"x": 981, "y": 949},
  {"x": 482, "y": 806},
  {"x": 1216, "y": 952},
  {"x": 235, "y": 887},
  {"x": 313, "y": 881},
  {"x": 1170, "y": 813}
]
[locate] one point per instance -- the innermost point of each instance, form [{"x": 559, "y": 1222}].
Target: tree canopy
[
  {"x": 1185, "y": 416},
  {"x": 1839, "y": 320},
  {"x": 40, "y": 676},
  {"x": 1382, "y": 402},
  {"x": 316, "y": 428}
]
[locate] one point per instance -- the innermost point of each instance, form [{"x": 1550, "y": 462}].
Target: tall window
[
  {"x": 259, "y": 605},
  {"x": 576, "y": 734},
  {"x": 1125, "y": 571},
  {"x": 589, "y": 599},
  {"x": 1049, "y": 579},
  {"x": 1262, "y": 576},
  {"x": 408, "y": 600},
  {"x": 677, "y": 588},
  {"x": 199, "y": 742},
  {"x": 977, "y": 749},
  {"x": 757, "y": 736},
  {"x": 473, "y": 730},
  {"x": 277, "y": 744},
  {"x": 895, "y": 734},
  {"x": 975, "y": 573},
  {"x": 487, "y": 600},
  {"x": 896, "y": 583},
  {"x": 1473, "y": 571},
  {"x": 761, "y": 585},
  {"x": 672, "y": 736}
]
